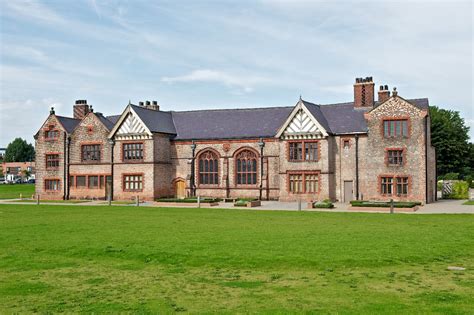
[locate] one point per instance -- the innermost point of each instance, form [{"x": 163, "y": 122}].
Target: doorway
[
  {"x": 348, "y": 191},
  {"x": 180, "y": 189}
]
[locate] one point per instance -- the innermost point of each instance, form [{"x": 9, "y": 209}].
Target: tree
[
  {"x": 450, "y": 136},
  {"x": 19, "y": 151}
]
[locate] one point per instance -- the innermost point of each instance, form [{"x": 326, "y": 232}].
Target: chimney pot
[
  {"x": 140, "y": 103},
  {"x": 384, "y": 94},
  {"x": 81, "y": 109},
  {"x": 386, "y": 87},
  {"x": 147, "y": 103}
]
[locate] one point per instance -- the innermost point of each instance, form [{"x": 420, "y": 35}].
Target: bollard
[
  {"x": 37, "y": 199},
  {"x": 199, "y": 201},
  {"x": 110, "y": 200},
  {"x": 391, "y": 205},
  {"x": 21, "y": 196},
  {"x": 299, "y": 204},
  {"x": 137, "y": 201}
]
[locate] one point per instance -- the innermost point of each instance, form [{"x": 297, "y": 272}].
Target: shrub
[
  {"x": 460, "y": 191},
  {"x": 385, "y": 204},
  {"x": 325, "y": 204}
]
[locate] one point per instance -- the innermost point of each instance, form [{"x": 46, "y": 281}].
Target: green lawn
[
  {"x": 8, "y": 191},
  {"x": 469, "y": 203},
  {"x": 61, "y": 258},
  {"x": 53, "y": 201}
]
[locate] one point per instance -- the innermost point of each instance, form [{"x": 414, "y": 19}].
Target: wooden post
[
  {"x": 199, "y": 201},
  {"x": 391, "y": 206},
  {"x": 37, "y": 199},
  {"x": 21, "y": 196},
  {"x": 137, "y": 200},
  {"x": 109, "y": 198}
]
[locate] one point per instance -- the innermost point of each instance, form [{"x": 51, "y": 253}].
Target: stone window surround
[
  {"x": 303, "y": 173},
  {"x": 50, "y": 168},
  {"x": 257, "y": 155},
  {"x": 52, "y": 179},
  {"x": 396, "y": 118},
  {"x": 303, "y": 148},
  {"x": 101, "y": 151},
  {"x": 404, "y": 156},
  {"x": 197, "y": 173},
  {"x": 142, "y": 175},
  {"x": 51, "y": 127},
  {"x": 74, "y": 176},
  {"x": 122, "y": 151},
  {"x": 394, "y": 183}
]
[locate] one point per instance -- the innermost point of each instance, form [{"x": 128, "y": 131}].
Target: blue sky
[{"x": 223, "y": 54}]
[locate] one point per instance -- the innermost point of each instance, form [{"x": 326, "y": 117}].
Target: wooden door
[
  {"x": 348, "y": 191},
  {"x": 180, "y": 189}
]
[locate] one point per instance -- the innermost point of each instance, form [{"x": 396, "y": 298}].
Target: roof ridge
[
  {"x": 58, "y": 116},
  {"x": 226, "y": 109}
]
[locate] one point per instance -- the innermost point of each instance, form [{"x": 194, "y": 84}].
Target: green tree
[
  {"x": 19, "y": 151},
  {"x": 450, "y": 137}
]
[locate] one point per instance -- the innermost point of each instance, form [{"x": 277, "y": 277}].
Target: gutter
[
  {"x": 68, "y": 167},
  {"x": 426, "y": 159},
  {"x": 64, "y": 166}
]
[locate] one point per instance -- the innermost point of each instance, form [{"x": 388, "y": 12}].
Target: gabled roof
[
  {"x": 229, "y": 123},
  {"x": 156, "y": 121},
  {"x": 68, "y": 123},
  {"x": 107, "y": 123}
]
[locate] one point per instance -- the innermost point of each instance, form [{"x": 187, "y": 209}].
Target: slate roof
[
  {"x": 156, "y": 121},
  {"x": 107, "y": 123},
  {"x": 230, "y": 123},
  {"x": 341, "y": 118},
  {"x": 68, "y": 123}
]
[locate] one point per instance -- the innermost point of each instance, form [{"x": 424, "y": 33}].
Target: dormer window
[{"x": 51, "y": 133}]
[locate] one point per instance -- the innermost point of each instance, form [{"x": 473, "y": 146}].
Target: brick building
[{"x": 364, "y": 149}]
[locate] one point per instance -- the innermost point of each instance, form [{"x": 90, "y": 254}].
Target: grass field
[
  {"x": 8, "y": 191},
  {"x": 61, "y": 258},
  {"x": 469, "y": 203}
]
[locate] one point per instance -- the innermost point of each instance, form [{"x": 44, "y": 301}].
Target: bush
[
  {"x": 242, "y": 202},
  {"x": 325, "y": 204},
  {"x": 188, "y": 200},
  {"x": 460, "y": 191},
  {"x": 385, "y": 204}
]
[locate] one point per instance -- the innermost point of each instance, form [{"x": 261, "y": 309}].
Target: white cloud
[
  {"x": 246, "y": 83},
  {"x": 33, "y": 10}
]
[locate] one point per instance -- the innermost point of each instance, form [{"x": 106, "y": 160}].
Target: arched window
[
  {"x": 246, "y": 167},
  {"x": 208, "y": 168}
]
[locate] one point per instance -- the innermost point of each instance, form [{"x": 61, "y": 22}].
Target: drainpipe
[
  {"x": 357, "y": 166},
  {"x": 112, "y": 145},
  {"x": 261, "y": 144},
  {"x": 193, "y": 161},
  {"x": 64, "y": 166},
  {"x": 68, "y": 166},
  {"x": 426, "y": 159}
]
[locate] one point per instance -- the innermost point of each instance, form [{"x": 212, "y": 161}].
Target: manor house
[{"x": 363, "y": 149}]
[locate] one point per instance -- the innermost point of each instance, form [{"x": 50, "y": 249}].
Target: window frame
[
  {"x": 82, "y": 186},
  {"x": 89, "y": 181},
  {"x": 90, "y": 145},
  {"x": 130, "y": 143},
  {"x": 51, "y": 128},
  {"x": 303, "y": 150},
  {"x": 395, "y": 182},
  {"x": 253, "y": 173},
  {"x": 402, "y": 155},
  {"x": 124, "y": 181},
  {"x": 393, "y": 134},
  {"x": 45, "y": 186},
  {"x": 46, "y": 161},
  {"x": 214, "y": 174},
  {"x": 303, "y": 182}
]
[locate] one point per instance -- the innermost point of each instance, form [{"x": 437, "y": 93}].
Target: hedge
[
  {"x": 188, "y": 200},
  {"x": 385, "y": 204},
  {"x": 323, "y": 205}
]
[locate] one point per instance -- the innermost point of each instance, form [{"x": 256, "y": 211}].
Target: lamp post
[
  {"x": 193, "y": 160},
  {"x": 261, "y": 144}
]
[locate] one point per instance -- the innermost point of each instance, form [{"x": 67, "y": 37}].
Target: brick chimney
[
  {"x": 364, "y": 92},
  {"x": 150, "y": 105},
  {"x": 384, "y": 93},
  {"x": 81, "y": 109}
]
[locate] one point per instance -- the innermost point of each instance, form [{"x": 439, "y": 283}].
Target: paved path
[{"x": 441, "y": 206}]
